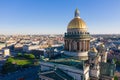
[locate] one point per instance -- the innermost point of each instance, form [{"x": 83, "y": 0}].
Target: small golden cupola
[{"x": 93, "y": 49}]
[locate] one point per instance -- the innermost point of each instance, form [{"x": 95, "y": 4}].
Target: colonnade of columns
[{"x": 82, "y": 45}]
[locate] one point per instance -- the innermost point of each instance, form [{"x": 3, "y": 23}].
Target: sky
[{"x": 53, "y": 16}]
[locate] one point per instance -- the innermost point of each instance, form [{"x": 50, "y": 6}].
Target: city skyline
[{"x": 52, "y": 16}]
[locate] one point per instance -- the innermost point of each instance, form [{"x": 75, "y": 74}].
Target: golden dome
[{"x": 77, "y": 23}]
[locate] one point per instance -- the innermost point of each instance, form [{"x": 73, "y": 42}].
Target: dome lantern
[{"x": 77, "y": 13}]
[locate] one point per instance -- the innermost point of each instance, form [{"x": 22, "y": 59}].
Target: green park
[{"x": 19, "y": 62}]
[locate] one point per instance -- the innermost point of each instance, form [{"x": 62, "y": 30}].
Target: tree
[
  {"x": 8, "y": 66},
  {"x": 31, "y": 56},
  {"x": 10, "y": 60},
  {"x": 115, "y": 78},
  {"x": 19, "y": 55},
  {"x": 25, "y": 55}
]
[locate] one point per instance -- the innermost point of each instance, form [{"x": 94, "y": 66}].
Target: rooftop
[
  {"x": 57, "y": 74},
  {"x": 69, "y": 61}
]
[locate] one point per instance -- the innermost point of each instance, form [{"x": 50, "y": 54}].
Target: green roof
[
  {"x": 69, "y": 62},
  {"x": 57, "y": 74},
  {"x": 107, "y": 69},
  {"x": 63, "y": 74},
  {"x": 75, "y": 62},
  {"x": 53, "y": 75}
]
